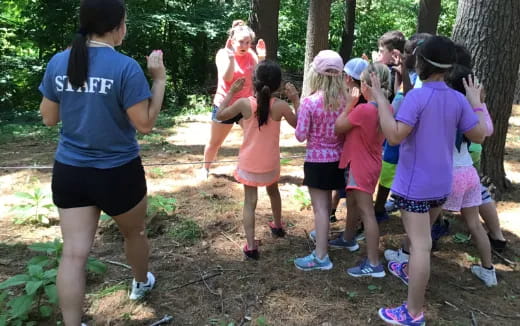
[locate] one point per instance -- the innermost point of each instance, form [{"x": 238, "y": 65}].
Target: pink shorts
[
  {"x": 253, "y": 179},
  {"x": 465, "y": 189}
]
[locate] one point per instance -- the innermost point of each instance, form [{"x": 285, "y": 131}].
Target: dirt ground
[{"x": 270, "y": 291}]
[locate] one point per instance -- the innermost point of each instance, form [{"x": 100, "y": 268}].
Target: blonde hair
[
  {"x": 382, "y": 72},
  {"x": 333, "y": 88},
  {"x": 238, "y": 27}
]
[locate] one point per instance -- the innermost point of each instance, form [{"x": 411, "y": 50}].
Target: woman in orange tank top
[
  {"x": 236, "y": 61},
  {"x": 259, "y": 156}
]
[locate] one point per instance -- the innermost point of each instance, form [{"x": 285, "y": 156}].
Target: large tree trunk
[
  {"x": 317, "y": 31},
  {"x": 488, "y": 29},
  {"x": 517, "y": 90},
  {"x": 264, "y": 21},
  {"x": 347, "y": 37},
  {"x": 428, "y": 18}
]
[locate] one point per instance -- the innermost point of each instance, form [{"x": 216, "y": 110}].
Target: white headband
[{"x": 436, "y": 64}]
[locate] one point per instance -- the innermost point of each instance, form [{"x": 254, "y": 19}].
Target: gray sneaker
[
  {"x": 488, "y": 276},
  {"x": 139, "y": 289},
  {"x": 365, "y": 269},
  {"x": 339, "y": 242}
]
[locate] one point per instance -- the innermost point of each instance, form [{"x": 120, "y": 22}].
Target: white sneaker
[
  {"x": 396, "y": 255},
  {"x": 139, "y": 289},
  {"x": 312, "y": 235},
  {"x": 203, "y": 174},
  {"x": 488, "y": 276}
]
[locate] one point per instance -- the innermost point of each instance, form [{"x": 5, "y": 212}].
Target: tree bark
[
  {"x": 487, "y": 28},
  {"x": 317, "y": 38},
  {"x": 347, "y": 37},
  {"x": 428, "y": 18},
  {"x": 264, "y": 21}
]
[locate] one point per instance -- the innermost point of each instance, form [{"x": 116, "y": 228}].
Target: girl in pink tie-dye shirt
[{"x": 316, "y": 117}]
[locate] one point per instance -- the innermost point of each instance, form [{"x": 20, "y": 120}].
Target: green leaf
[
  {"x": 20, "y": 306},
  {"x": 3, "y": 320},
  {"x": 104, "y": 217},
  {"x": 45, "y": 311},
  {"x": 95, "y": 266},
  {"x": 24, "y": 195},
  {"x": 52, "y": 293},
  {"x": 373, "y": 288},
  {"x": 48, "y": 247},
  {"x": 15, "y": 280},
  {"x": 50, "y": 274},
  {"x": 32, "y": 286},
  {"x": 461, "y": 238},
  {"x": 35, "y": 270},
  {"x": 39, "y": 260}
]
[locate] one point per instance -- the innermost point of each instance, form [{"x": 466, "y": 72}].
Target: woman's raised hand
[
  {"x": 155, "y": 65},
  {"x": 229, "y": 48},
  {"x": 260, "y": 48}
]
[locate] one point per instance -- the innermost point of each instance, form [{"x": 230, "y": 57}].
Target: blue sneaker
[
  {"x": 397, "y": 269},
  {"x": 440, "y": 229},
  {"x": 366, "y": 269},
  {"x": 311, "y": 262},
  {"x": 401, "y": 316},
  {"x": 339, "y": 242},
  {"x": 381, "y": 217}
]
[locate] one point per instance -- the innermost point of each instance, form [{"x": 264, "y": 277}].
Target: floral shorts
[{"x": 417, "y": 206}]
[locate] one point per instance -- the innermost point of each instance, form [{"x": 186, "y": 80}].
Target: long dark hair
[
  {"x": 95, "y": 17},
  {"x": 266, "y": 80}
]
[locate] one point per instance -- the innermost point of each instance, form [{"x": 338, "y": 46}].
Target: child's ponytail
[
  {"x": 263, "y": 99},
  {"x": 77, "y": 69},
  {"x": 266, "y": 80}
]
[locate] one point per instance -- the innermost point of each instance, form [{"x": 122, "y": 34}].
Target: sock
[{"x": 488, "y": 268}]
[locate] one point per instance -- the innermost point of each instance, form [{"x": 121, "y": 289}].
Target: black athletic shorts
[
  {"x": 324, "y": 176},
  {"x": 115, "y": 191}
]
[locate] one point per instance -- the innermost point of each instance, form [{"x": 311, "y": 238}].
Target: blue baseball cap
[{"x": 354, "y": 67}]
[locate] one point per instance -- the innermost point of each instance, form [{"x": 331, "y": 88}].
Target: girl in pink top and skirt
[{"x": 259, "y": 156}]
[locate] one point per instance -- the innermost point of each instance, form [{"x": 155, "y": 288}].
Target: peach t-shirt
[{"x": 244, "y": 67}]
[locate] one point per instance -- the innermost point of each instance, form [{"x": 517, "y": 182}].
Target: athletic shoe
[
  {"x": 366, "y": 269},
  {"x": 381, "y": 217},
  {"x": 203, "y": 174},
  {"x": 396, "y": 255},
  {"x": 397, "y": 269},
  {"x": 251, "y": 253},
  {"x": 312, "y": 235},
  {"x": 83, "y": 324},
  {"x": 339, "y": 242},
  {"x": 488, "y": 276},
  {"x": 332, "y": 218},
  {"x": 312, "y": 262},
  {"x": 277, "y": 232},
  {"x": 440, "y": 229},
  {"x": 360, "y": 233},
  {"x": 497, "y": 245},
  {"x": 390, "y": 206},
  {"x": 139, "y": 289},
  {"x": 401, "y": 316}
]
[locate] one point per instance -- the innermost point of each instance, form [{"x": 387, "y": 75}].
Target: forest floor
[{"x": 203, "y": 236}]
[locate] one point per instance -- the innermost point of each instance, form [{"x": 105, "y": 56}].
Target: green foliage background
[{"x": 189, "y": 32}]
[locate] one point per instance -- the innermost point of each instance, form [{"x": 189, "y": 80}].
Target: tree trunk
[
  {"x": 317, "y": 31},
  {"x": 428, "y": 18},
  {"x": 264, "y": 21},
  {"x": 487, "y": 28},
  {"x": 517, "y": 90},
  {"x": 347, "y": 37}
]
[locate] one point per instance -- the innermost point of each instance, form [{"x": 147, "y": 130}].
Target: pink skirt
[{"x": 253, "y": 179}]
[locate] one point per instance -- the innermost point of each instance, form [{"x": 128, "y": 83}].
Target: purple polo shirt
[{"x": 436, "y": 112}]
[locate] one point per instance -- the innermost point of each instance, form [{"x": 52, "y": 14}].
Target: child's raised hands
[
  {"x": 473, "y": 90},
  {"x": 376, "y": 90},
  {"x": 353, "y": 95},
  {"x": 260, "y": 48},
  {"x": 237, "y": 85},
  {"x": 291, "y": 92}
]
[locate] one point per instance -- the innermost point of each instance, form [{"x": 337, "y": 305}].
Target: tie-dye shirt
[{"x": 317, "y": 127}]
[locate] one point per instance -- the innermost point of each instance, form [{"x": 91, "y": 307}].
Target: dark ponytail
[
  {"x": 267, "y": 79},
  {"x": 95, "y": 17},
  {"x": 263, "y": 98}
]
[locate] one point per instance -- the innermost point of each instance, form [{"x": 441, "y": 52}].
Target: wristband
[{"x": 478, "y": 110}]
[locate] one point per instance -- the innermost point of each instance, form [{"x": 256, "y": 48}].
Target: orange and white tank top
[
  {"x": 244, "y": 67},
  {"x": 260, "y": 150}
]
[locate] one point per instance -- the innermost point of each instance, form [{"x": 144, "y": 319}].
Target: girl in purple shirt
[{"x": 425, "y": 126}]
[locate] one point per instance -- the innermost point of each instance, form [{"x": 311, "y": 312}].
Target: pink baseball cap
[{"x": 328, "y": 60}]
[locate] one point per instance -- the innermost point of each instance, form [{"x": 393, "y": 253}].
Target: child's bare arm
[
  {"x": 342, "y": 124},
  {"x": 288, "y": 114},
  {"x": 478, "y": 133}
]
